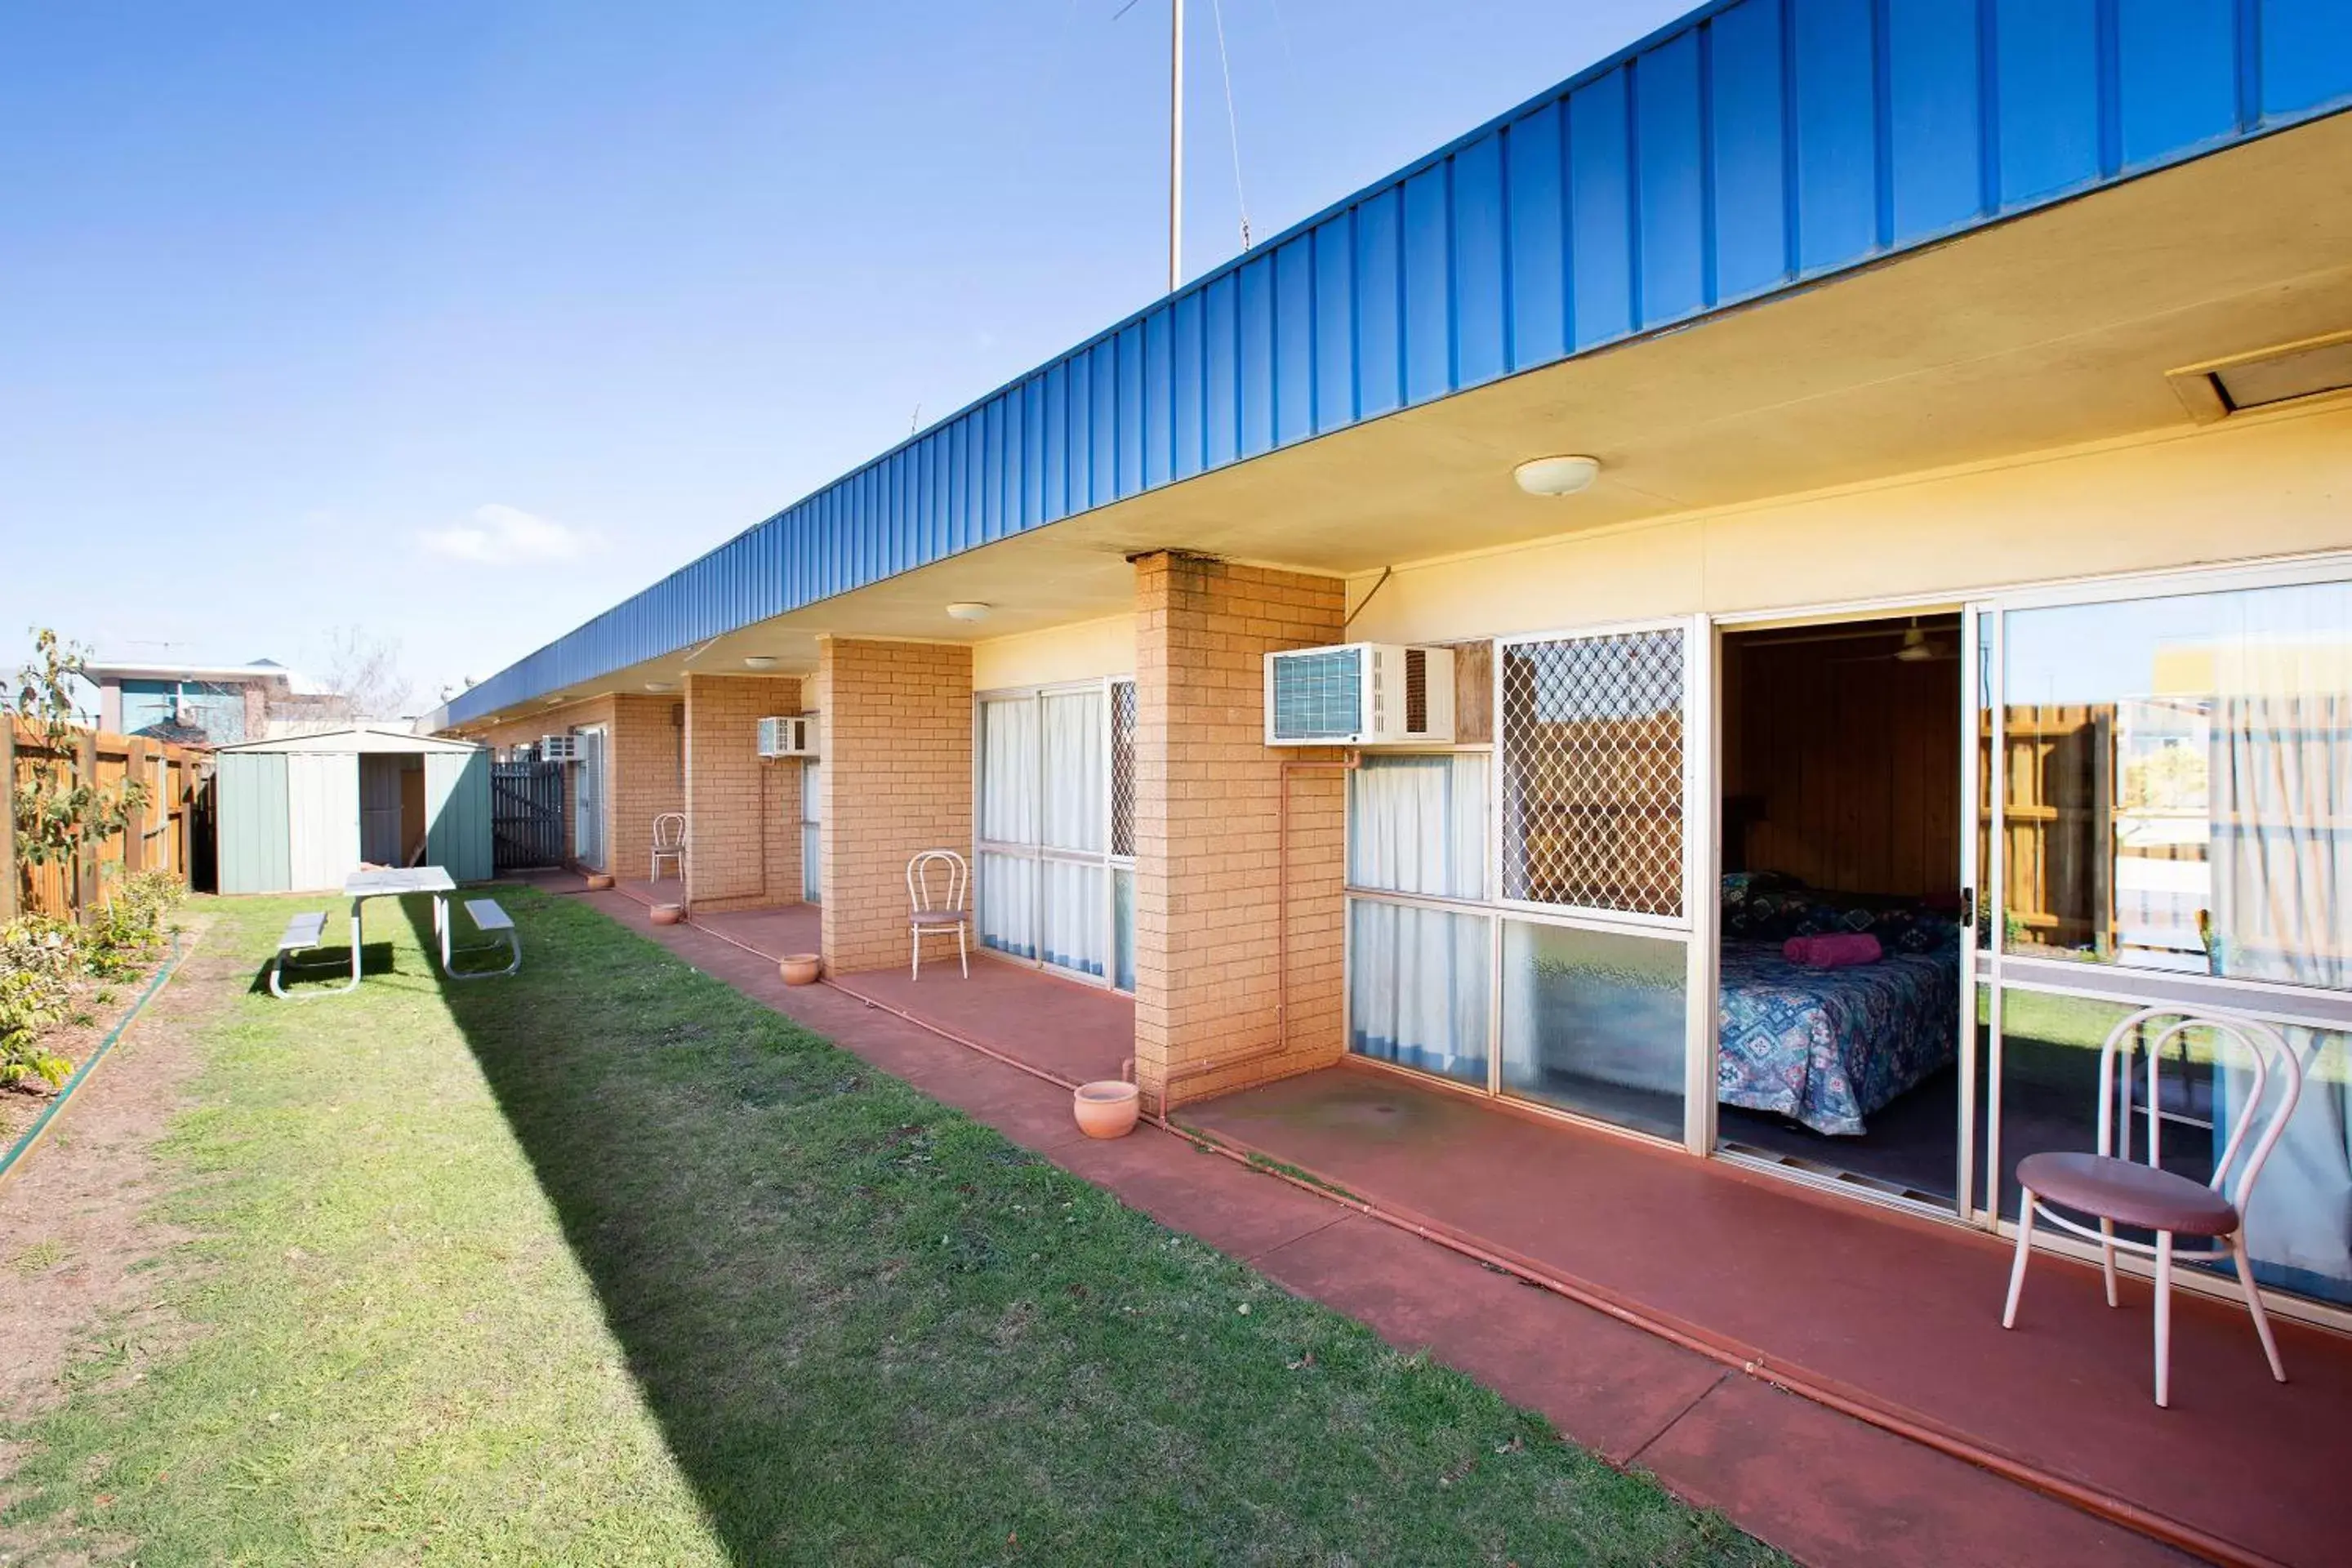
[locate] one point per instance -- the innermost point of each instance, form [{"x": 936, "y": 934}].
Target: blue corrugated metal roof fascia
[{"x": 1749, "y": 146}]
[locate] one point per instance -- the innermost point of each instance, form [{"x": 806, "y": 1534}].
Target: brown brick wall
[
  {"x": 898, "y": 779},
  {"x": 1209, "y": 791},
  {"x": 743, "y": 812},
  {"x": 645, "y": 763}
]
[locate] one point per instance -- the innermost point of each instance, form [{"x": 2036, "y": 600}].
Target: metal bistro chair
[
  {"x": 2120, "y": 1191},
  {"x": 669, "y": 842},
  {"x": 926, "y": 915}
]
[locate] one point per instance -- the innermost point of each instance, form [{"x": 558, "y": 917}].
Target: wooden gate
[{"x": 526, "y": 814}]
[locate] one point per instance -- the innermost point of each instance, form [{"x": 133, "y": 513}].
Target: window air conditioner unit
[
  {"x": 1359, "y": 694},
  {"x": 559, "y": 748},
  {"x": 789, "y": 735}
]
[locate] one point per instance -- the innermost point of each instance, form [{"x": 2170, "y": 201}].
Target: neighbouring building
[
  {"x": 1884, "y": 470},
  {"x": 218, "y": 705}
]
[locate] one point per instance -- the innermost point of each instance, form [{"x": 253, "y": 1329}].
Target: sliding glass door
[
  {"x": 1050, "y": 874},
  {"x": 2162, "y": 783}
]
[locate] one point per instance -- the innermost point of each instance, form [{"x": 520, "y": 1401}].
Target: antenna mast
[{"x": 1176, "y": 145}]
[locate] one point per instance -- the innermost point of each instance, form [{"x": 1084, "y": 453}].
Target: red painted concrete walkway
[{"x": 1829, "y": 1490}]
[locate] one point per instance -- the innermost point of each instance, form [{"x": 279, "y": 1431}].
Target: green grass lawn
[{"x": 608, "y": 1264}]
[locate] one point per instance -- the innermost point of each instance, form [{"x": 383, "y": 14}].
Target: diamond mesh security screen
[
  {"x": 1316, "y": 695},
  {"x": 1592, "y": 772},
  {"x": 1122, "y": 767}
]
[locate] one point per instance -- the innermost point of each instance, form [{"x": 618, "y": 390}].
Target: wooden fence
[{"x": 161, "y": 835}]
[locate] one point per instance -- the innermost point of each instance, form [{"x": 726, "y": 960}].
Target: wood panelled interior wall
[{"x": 1841, "y": 762}]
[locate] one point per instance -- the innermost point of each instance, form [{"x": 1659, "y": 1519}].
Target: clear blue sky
[{"x": 459, "y": 322}]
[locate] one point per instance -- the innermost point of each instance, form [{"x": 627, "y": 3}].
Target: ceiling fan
[{"x": 1917, "y": 648}]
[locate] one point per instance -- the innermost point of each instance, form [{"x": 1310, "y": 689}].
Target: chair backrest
[
  {"x": 946, "y": 864},
  {"x": 669, "y": 832},
  {"x": 2241, "y": 1157}
]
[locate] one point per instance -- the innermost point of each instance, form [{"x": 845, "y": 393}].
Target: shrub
[{"x": 30, "y": 1003}]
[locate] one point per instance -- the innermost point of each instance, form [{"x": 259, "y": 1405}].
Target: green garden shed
[{"x": 301, "y": 813}]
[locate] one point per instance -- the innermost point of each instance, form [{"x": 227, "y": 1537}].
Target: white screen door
[{"x": 588, "y": 800}]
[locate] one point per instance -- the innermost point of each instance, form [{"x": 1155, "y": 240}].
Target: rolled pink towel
[{"x": 1841, "y": 951}]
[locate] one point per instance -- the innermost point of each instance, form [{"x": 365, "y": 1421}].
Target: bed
[{"x": 1830, "y": 1046}]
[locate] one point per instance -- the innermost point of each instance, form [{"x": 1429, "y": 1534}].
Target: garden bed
[{"x": 63, "y": 986}]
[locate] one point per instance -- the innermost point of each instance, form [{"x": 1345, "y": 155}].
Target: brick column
[
  {"x": 1209, "y": 1017},
  {"x": 898, "y": 779},
  {"x": 743, "y": 812}
]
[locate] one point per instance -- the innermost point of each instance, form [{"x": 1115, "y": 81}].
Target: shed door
[
  {"x": 322, "y": 817},
  {"x": 250, "y": 793},
  {"x": 380, "y": 809},
  {"x": 458, "y": 814}
]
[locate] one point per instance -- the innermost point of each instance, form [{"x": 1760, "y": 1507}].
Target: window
[
  {"x": 1569, "y": 987},
  {"x": 1418, "y": 824}
]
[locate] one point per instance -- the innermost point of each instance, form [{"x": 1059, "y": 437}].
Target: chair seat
[
  {"x": 2127, "y": 1192},
  {"x": 939, "y": 917}
]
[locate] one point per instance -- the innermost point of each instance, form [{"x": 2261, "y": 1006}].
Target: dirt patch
[
  {"x": 92, "y": 1005},
  {"x": 78, "y": 1242}
]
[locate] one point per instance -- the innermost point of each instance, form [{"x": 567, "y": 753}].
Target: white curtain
[
  {"x": 1043, "y": 771},
  {"x": 1418, "y": 824},
  {"x": 1077, "y": 745},
  {"x": 2282, "y": 849},
  {"x": 1417, "y": 988},
  {"x": 1418, "y": 980},
  {"x": 1076, "y": 902},
  {"x": 1007, "y": 888},
  {"x": 1008, "y": 771}
]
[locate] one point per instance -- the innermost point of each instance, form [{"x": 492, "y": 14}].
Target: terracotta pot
[
  {"x": 668, "y": 914},
  {"x": 600, "y": 882},
  {"x": 1107, "y": 1110},
  {"x": 800, "y": 968}
]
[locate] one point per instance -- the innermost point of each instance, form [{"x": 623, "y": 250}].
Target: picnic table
[{"x": 398, "y": 882}]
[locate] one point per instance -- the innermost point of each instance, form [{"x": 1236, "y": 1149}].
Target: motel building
[{"x": 1831, "y": 468}]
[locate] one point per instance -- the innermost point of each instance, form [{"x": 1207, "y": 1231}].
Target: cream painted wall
[
  {"x": 1083, "y": 650},
  {"x": 2250, "y": 487}
]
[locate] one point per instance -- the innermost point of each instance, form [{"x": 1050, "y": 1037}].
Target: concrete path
[{"x": 1826, "y": 1489}]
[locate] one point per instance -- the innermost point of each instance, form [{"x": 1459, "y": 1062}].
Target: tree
[
  {"x": 364, "y": 674},
  {"x": 59, "y": 812}
]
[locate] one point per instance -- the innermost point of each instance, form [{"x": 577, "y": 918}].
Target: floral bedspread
[{"x": 1828, "y": 1047}]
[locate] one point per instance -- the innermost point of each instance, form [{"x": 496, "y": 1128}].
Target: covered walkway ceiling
[{"x": 2053, "y": 329}]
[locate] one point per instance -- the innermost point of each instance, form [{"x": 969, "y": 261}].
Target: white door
[{"x": 588, "y": 801}]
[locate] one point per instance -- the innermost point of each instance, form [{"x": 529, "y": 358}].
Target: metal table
[{"x": 361, "y": 886}]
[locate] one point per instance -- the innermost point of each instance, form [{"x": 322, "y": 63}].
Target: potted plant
[{"x": 1107, "y": 1109}]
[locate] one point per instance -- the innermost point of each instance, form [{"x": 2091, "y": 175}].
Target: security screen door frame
[
  {"x": 1692, "y": 925},
  {"x": 1038, "y": 853}
]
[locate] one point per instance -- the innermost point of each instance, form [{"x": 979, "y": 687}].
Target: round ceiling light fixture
[
  {"x": 759, "y": 661},
  {"x": 968, "y": 610},
  {"x": 1561, "y": 476}
]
